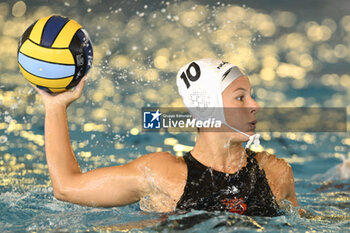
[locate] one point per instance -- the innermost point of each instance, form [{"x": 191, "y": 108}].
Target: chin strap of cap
[{"x": 255, "y": 138}]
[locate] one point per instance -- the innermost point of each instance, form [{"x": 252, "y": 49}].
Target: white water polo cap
[{"x": 201, "y": 84}]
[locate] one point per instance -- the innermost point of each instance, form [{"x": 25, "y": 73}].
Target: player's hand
[{"x": 63, "y": 99}]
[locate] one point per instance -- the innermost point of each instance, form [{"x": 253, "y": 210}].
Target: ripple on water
[{"x": 292, "y": 61}]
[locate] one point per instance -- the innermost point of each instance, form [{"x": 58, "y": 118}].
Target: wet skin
[{"x": 158, "y": 179}]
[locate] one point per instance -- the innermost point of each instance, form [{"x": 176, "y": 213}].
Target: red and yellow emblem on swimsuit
[{"x": 235, "y": 205}]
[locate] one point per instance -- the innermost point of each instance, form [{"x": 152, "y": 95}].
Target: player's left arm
[
  {"x": 289, "y": 185},
  {"x": 290, "y": 191},
  {"x": 280, "y": 178}
]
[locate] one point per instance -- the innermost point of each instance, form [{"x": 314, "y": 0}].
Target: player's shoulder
[
  {"x": 163, "y": 162},
  {"x": 275, "y": 168},
  {"x": 163, "y": 156},
  {"x": 267, "y": 160},
  {"x": 278, "y": 173}
]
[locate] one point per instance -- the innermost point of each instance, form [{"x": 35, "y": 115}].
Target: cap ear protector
[{"x": 201, "y": 83}]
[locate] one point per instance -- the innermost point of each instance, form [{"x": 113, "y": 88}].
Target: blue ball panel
[
  {"x": 51, "y": 30},
  {"x": 45, "y": 69},
  {"x": 87, "y": 46}
]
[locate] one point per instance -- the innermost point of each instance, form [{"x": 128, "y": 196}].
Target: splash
[{"x": 337, "y": 173}]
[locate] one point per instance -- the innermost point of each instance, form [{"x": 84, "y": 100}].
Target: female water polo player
[{"x": 218, "y": 174}]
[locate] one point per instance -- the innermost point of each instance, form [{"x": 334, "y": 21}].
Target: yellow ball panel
[
  {"x": 37, "y": 30},
  {"x": 61, "y": 56},
  {"x": 65, "y": 36},
  {"x": 57, "y": 90}
]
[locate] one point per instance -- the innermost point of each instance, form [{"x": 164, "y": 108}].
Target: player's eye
[{"x": 240, "y": 98}]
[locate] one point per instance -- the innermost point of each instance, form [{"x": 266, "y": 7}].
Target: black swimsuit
[{"x": 245, "y": 192}]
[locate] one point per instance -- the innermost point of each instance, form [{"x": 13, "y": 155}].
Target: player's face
[{"x": 239, "y": 107}]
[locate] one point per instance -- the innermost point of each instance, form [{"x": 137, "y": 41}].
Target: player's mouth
[{"x": 252, "y": 124}]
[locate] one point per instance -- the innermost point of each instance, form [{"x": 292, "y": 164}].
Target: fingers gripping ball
[{"x": 55, "y": 53}]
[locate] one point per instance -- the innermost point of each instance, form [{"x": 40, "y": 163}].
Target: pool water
[{"x": 294, "y": 58}]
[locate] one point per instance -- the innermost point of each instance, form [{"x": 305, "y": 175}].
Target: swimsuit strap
[
  {"x": 188, "y": 157},
  {"x": 196, "y": 168}
]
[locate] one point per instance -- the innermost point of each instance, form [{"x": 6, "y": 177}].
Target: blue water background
[{"x": 26, "y": 196}]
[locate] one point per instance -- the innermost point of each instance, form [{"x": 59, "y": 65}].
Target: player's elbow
[
  {"x": 66, "y": 191},
  {"x": 61, "y": 193},
  {"x": 59, "y": 196}
]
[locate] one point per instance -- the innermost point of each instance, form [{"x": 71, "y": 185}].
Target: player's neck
[{"x": 217, "y": 151}]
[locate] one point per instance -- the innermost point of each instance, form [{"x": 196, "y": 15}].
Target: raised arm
[{"x": 110, "y": 186}]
